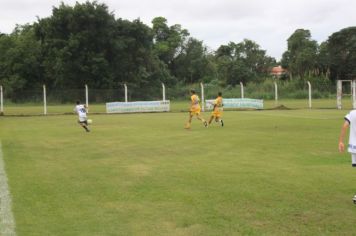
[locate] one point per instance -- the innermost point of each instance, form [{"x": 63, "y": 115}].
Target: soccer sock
[
  {"x": 187, "y": 125},
  {"x": 353, "y": 159}
]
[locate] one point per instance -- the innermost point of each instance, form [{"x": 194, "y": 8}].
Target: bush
[{"x": 292, "y": 89}]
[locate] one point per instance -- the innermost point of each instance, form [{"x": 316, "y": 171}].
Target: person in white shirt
[
  {"x": 81, "y": 110},
  {"x": 350, "y": 121}
]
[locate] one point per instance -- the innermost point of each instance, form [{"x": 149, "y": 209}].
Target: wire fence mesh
[{"x": 61, "y": 101}]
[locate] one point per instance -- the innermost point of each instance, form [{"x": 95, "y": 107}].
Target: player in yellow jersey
[
  {"x": 195, "y": 110},
  {"x": 217, "y": 110}
]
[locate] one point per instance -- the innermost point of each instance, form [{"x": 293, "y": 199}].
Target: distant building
[{"x": 278, "y": 71}]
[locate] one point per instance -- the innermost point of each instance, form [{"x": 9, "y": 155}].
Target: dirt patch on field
[{"x": 280, "y": 107}]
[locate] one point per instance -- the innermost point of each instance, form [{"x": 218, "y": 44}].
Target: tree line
[{"x": 87, "y": 44}]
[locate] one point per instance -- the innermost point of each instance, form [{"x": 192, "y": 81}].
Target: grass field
[{"x": 264, "y": 173}]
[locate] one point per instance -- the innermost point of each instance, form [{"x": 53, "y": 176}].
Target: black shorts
[{"x": 83, "y": 122}]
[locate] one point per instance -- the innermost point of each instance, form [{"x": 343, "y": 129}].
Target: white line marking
[{"x": 7, "y": 221}]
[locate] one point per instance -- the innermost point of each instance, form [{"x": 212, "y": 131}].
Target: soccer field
[{"x": 263, "y": 173}]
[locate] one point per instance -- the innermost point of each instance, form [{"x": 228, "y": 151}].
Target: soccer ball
[
  {"x": 90, "y": 121},
  {"x": 354, "y": 199}
]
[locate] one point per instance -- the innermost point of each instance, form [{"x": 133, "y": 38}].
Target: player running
[
  {"x": 194, "y": 110},
  {"x": 217, "y": 110},
  {"x": 81, "y": 110},
  {"x": 350, "y": 120}
]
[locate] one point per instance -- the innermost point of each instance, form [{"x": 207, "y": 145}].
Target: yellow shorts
[
  {"x": 195, "y": 111},
  {"x": 216, "y": 113}
]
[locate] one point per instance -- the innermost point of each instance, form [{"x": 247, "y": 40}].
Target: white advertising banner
[
  {"x": 237, "y": 103},
  {"x": 132, "y": 107}
]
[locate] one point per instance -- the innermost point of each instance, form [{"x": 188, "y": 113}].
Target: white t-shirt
[
  {"x": 351, "y": 118},
  {"x": 82, "y": 112}
]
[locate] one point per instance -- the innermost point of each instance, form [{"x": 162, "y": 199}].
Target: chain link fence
[{"x": 276, "y": 95}]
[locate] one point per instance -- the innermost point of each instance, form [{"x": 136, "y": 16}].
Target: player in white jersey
[
  {"x": 350, "y": 121},
  {"x": 81, "y": 110}
]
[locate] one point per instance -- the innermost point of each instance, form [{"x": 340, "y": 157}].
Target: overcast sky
[{"x": 216, "y": 22}]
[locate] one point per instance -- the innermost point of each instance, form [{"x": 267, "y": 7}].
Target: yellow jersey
[
  {"x": 218, "y": 107},
  {"x": 195, "y": 106}
]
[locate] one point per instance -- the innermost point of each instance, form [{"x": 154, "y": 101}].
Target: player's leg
[
  {"x": 84, "y": 124},
  {"x": 202, "y": 119},
  {"x": 218, "y": 118},
  {"x": 353, "y": 159},
  {"x": 211, "y": 119},
  {"x": 188, "y": 124}
]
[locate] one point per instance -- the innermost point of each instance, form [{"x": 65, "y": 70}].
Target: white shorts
[{"x": 82, "y": 119}]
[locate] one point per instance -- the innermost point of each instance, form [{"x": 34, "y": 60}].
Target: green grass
[{"x": 264, "y": 173}]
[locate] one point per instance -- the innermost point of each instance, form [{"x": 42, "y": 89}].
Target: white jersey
[
  {"x": 82, "y": 112},
  {"x": 351, "y": 118}
]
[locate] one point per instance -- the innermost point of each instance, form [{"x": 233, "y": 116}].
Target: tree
[
  {"x": 135, "y": 62},
  {"x": 85, "y": 44},
  {"x": 76, "y": 44},
  {"x": 323, "y": 59},
  {"x": 242, "y": 62},
  {"x": 341, "y": 53},
  {"x": 255, "y": 58},
  {"x": 192, "y": 64},
  {"x": 301, "y": 56},
  {"x": 19, "y": 64},
  {"x": 168, "y": 41}
]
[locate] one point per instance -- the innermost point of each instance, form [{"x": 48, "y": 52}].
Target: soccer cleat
[
  {"x": 222, "y": 123},
  {"x": 187, "y": 126},
  {"x": 205, "y": 124}
]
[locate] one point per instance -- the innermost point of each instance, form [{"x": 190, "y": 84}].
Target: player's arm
[
  {"x": 215, "y": 104},
  {"x": 344, "y": 128}
]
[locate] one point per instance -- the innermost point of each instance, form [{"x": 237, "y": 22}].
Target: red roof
[{"x": 277, "y": 70}]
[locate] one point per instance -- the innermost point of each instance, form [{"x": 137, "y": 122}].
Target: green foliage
[
  {"x": 291, "y": 89},
  {"x": 193, "y": 64},
  {"x": 242, "y": 62},
  {"x": 84, "y": 44},
  {"x": 168, "y": 40},
  {"x": 342, "y": 53},
  {"x": 19, "y": 61},
  {"x": 301, "y": 56},
  {"x": 87, "y": 44}
]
